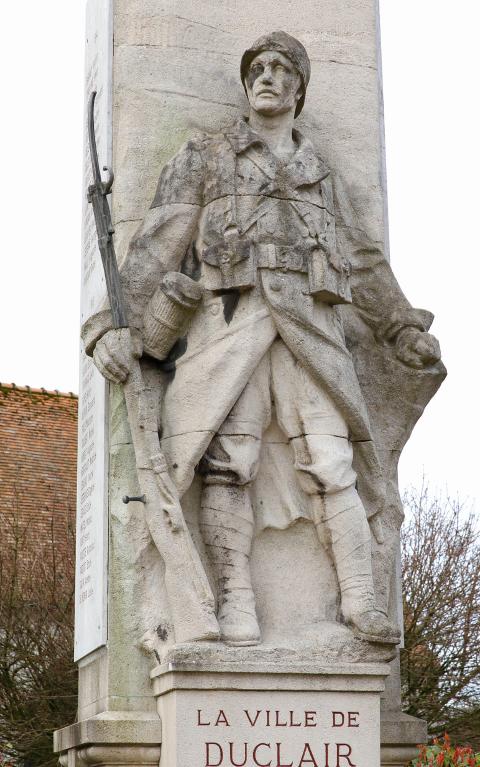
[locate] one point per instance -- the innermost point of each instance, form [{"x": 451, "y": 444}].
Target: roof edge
[{"x": 32, "y": 390}]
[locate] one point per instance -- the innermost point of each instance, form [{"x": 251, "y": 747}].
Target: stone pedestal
[
  {"x": 269, "y": 714},
  {"x": 209, "y": 695}
]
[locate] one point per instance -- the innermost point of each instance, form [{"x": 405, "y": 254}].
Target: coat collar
[{"x": 303, "y": 168}]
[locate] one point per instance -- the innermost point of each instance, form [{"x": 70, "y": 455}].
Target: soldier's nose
[{"x": 266, "y": 76}]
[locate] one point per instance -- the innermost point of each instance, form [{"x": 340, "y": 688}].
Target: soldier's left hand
[{"x": 416, "y": 348}]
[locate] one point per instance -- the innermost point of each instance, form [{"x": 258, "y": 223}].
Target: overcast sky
[{"x": 431, "y": 85}]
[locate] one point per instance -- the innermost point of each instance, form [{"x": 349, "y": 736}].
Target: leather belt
[{"x": 284, "y": 257}]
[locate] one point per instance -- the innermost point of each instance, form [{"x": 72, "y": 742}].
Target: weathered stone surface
[{"x": 281, "y": 411}]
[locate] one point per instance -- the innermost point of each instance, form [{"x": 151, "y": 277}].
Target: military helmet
[{"x": 290, "y": 47}]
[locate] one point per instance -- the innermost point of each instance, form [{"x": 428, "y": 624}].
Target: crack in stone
[
  {"x": 239, "y": 194},
  {"x": 162, "y": 46},
  {"x": 344, "y": 63},
  {"x": 216, "y": 51},
  {"x": 185, "y": 433},
  {"x": 191, "y": 96},
  {"x": 129, "y": 221},
  {"x": 199, "y": 23}
]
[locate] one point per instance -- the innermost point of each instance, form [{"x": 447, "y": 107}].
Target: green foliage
[{"x": 443, "y": 754}]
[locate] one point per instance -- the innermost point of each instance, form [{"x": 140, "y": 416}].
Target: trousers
[
  {"x": 322, "y": 455},
  {"x": 308, "y": 417}
]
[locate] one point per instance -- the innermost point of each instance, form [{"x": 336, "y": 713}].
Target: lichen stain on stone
[{"x": 162, "y": 632}]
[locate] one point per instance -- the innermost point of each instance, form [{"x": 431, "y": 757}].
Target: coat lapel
[{"x": 304, "y": 168}]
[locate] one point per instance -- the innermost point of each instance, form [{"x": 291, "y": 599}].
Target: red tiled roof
[{"x": 38, "y": 456}]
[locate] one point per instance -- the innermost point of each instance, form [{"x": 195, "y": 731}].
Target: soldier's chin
[{"x": 268, "y": 105}]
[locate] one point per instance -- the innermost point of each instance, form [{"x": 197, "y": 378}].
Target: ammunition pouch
[
  {"x": 229, "y": 264},
  {"x": 287, "y": 258},
  {"x": 232, "y": 264},
  {"x": 169, "y": 312},
  {"x": 329, "y": 277}
]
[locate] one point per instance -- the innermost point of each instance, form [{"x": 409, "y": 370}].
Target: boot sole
[
  {"x": 241, "y": 642},
  {"x": 394, "y": 639}
]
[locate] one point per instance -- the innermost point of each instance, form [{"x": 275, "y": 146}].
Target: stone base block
[
  {"x": 111, "y": 739},
  {"x": 400, "y": 735},
  {"x": 291, "y": 716},
  {"x": 250, "y": 715}
]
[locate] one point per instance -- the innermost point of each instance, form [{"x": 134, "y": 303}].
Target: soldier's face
[{"x": 273, "y": 84}]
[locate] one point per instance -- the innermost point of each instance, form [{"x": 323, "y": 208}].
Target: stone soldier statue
[{"x": 252, "y": 215}]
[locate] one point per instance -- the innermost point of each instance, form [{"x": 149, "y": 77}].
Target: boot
[
  {"x": 340, "y": 517},
  {"x": 226, "y": 523}
]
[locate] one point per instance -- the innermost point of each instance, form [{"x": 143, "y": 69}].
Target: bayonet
[{"x": 97, "y": 196}]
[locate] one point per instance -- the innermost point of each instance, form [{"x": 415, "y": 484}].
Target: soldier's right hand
[{"x": 114, "y": 353}]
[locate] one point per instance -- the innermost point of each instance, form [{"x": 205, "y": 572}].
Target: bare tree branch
[
  {"x": 38, "y": 679},
  {"x": 441, "y": 582}
]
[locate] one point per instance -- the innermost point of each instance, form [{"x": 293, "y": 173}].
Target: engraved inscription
[
  {"x": 278, "y": 729},
  {"x": 87, "y": 460},
  {"x": 90, "y": 607}
]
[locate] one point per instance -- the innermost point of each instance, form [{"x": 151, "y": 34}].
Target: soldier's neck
[{"x": 276, "y": 131}]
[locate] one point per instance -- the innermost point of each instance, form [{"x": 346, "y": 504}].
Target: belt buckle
[
  {"x": 282, "y": 256},
  {"x": 226, "y": 257}
]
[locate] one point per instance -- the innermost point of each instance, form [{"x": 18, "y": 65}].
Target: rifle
[{"x": 189, "y": 594}]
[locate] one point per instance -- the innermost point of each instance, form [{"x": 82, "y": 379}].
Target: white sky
[{"x": 431, "y": 83}]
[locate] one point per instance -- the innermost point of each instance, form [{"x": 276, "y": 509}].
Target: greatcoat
[{"x": 231, "y": 183}]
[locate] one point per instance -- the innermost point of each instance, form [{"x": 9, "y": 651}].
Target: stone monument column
[{"x": 238, "y": 596}]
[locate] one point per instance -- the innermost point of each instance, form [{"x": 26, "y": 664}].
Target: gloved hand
[
  {"x": 416, "y": 348},
  {"x": 114, "y": 352}
]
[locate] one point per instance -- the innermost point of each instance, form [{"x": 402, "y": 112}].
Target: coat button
[{"x": 276, "y": 286}]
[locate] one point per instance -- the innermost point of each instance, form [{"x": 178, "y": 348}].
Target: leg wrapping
[
  {"x": 226, "y": 523},
  {"x": 345, "y": 523}
]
